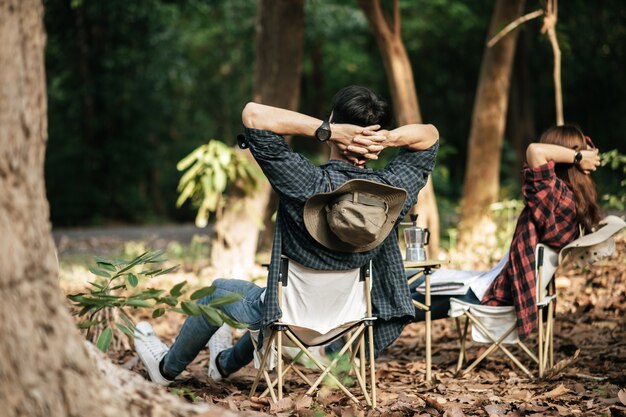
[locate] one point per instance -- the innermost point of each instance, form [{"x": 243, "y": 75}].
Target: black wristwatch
[
  {"x": 578, "y": 156},
  {"x": 323, "y": 132}
]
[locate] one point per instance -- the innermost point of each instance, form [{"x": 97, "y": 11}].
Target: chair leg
[
  {"x": 326, "y": 369},
  {"x": 496, "y": 345},
  {"x": 266, "y": 354},
  {"x": 462, "y": 337},
  {"x": 279, "y": 363},
  {"x": 540, "y": 340},
  {"x": 370, "y": 336},
  {"x": 528, "y": 351},
  {"x": 547, "y": 353},
  {"x": 357, "y": 372}
]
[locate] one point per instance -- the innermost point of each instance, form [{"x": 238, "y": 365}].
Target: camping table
[{"x": 426, "y": 267}]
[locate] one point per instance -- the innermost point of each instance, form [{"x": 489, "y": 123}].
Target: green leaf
[
  {"x": 225, "y": 299},
  {"x": 132, "y": 280},
  {"x": 158, "y": 312},
  {"x": 233, "y": 323},
  {"x": 212, "y": 315},
  {"x": 104, "y": 341},
  {"x": 185, "y": 194},
  {"x": 191, "y": 309},
  {"x": 88, "y": 323},
  {"x": 151, "y": 272},
  {"x": 167, "y": 270},
  {"x": 106, "y": 265},
  {"x": 138, "y": 303},
  {"x": 170, "y": 301},
  {"x": 125, "y": 330},
  {"x": 189, "y": 159},
  {"x": 219, "y": 179},
  {"x": 98, "y": 286},
  {"x": 176, "y": 290},
  {"x": 148, "y": 294},
  {"x": 136, "y": 261},
  {"x": 202, "y": 292},
  {"x": 128, "y": 321},
  {"x": 99, "y": 272}
]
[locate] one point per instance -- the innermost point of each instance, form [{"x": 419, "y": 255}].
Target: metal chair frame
[
  {"x": 355, "y": 335},
  {"x": 545, "y": 339}
]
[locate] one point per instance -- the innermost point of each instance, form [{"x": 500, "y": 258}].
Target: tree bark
[
  {"x": 277, "y": 71},
  {"x": 45, "y": 367},
  {"x": 404, "y": 98},
  {"x": 482, "y": 172},
  {"x": 521, "y": 118}
]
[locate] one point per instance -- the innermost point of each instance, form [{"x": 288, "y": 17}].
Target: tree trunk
[
  {"x": 521, "y": 118},
  {"x": 45, "y": 367},
  {"x": 404, "y": 99},
  {"x": 277, "y": 71},
  {"x": 482, "y": 172}
]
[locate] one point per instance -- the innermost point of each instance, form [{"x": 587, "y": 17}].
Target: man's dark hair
[{"x": 360, "y": 106}]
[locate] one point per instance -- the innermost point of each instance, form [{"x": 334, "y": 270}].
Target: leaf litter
[{"x": 589, "y": 377}]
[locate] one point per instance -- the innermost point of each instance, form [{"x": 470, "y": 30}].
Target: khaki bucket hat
[{"x": 356, "y": 217}]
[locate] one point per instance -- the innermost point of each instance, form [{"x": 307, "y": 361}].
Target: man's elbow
[
  {"x": 250, "y": 115},
  {"x": 432, "y": 135}
]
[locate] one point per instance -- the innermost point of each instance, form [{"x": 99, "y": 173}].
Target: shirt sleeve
[
  {"x": 541, "y": 191},
  {"x": 290, "y": 174},
  {"x": 410, "y": 170}
]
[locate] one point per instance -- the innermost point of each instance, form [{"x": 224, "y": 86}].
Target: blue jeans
[{"x": 197, "y": 331}]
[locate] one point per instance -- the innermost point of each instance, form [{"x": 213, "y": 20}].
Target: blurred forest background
[{"x": 135, "y": 86}]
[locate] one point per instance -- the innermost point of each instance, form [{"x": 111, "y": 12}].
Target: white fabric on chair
[
  {"x": 318, "y": 305},
  {"x": 497, "y": 319}
]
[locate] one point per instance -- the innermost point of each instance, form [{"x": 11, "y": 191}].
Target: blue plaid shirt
[{"x": 295, "y": 179}]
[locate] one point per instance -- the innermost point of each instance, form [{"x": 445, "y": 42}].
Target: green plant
[
  {"x": 616, "y": 161},
  {"x": 209, "y": 170},
  {"x": 103, "y": 308}
]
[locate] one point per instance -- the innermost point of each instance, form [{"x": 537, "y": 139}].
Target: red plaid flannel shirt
[{"x": 549, "y": 217}]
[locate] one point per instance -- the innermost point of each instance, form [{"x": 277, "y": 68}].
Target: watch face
[{"x": 322, "y": 134}]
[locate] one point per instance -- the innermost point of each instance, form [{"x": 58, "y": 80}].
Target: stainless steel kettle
[{"x": 416, "y": 238}]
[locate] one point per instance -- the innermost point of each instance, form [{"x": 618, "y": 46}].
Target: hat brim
[{"x": 317, "y": 225}]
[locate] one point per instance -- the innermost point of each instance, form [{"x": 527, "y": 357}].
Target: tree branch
[{"x": 514, "y": 24}]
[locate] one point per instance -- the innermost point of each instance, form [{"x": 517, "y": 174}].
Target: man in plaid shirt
[{"x": 354, "y": 135}]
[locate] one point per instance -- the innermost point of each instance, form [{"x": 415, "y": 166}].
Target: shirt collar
[{"x": 344, "y": 166}]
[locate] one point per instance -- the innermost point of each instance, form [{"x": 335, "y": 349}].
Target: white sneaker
[
  {"x": 221, "y": 340},
  {"x": 150, "y": 350}
]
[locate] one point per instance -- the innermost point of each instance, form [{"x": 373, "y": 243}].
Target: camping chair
[
  {"x": 319, "y": 307},
  {"x": 497, "y": 324}
]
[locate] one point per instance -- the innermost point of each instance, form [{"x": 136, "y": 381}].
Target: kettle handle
[{"x": 426, "y": 236}]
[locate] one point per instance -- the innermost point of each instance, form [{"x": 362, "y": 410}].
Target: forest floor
[{"x": 590, "y": 350}]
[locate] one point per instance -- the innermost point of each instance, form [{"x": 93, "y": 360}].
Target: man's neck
[{"x": 337, "y": 155}]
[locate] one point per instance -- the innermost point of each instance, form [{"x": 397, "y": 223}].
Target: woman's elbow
[{"x": 534, "y": 155}]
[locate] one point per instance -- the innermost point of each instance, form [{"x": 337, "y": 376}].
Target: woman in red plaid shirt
[{"x": 560, "y": 196}]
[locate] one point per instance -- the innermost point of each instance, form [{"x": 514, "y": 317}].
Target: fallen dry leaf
[
  {"x": 454, "y": 411},
  {"x": 622, "y": 396},
  {"x": 558, "y": 391},
  {"x": 281, "y": 405},
  {"x": 496, "y": 410}
]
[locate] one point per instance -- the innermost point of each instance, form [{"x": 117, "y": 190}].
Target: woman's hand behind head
[{"x": 590, "y": 161}]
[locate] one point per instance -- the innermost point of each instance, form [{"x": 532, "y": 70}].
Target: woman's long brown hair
[{"x": 583, "y": 187}]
